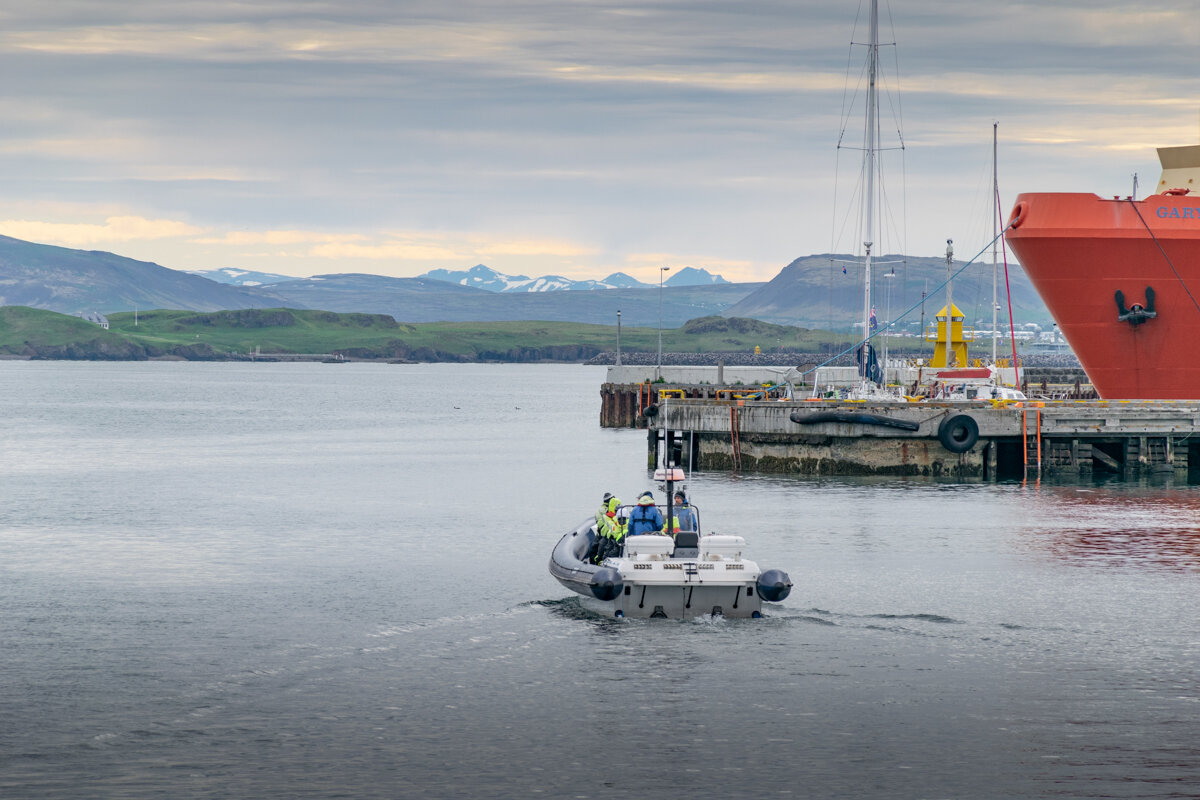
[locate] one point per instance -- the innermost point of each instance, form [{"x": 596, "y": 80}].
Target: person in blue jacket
[
  {"x": 684, "y": 515},
  {"x": 645, "y": 517}
]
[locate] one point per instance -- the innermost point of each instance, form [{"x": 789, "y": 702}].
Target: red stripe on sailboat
[{"x": 962, "y": 374}]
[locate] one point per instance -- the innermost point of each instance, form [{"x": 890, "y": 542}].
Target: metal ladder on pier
[{"x": 1035, "y": 438}]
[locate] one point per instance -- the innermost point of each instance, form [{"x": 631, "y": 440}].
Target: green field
[
  {"x": 225, "y": 334},
  {"x": 47, "y": 334}
]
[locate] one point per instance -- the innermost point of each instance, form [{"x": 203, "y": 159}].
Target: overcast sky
[{"x": 574, "y": 137}]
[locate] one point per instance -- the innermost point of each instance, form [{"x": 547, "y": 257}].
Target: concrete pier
[
  {"x": 629, "y": 390},
  {"x": 984, "y": 440}
]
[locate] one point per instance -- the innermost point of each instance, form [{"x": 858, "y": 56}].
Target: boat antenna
[
  {"x": 924, "y": 294},
  {"x": 669, "y": 474}
]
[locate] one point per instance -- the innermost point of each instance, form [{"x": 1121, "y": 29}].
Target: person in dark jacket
[
  {"x": 602, "y": 513},
  {"x": 683, "y": 514},
  {"x": 645, "y": 517}
]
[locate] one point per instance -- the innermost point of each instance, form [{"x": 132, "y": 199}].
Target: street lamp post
[
  {"x": 661, "y": 270},
  {"x": 887, "y": 323},
  {"x": 618, "y": 337}
]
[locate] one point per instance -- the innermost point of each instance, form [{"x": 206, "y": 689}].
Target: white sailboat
[
  {"x": 941, "y": 378},
  {"x": 872, "y": 378}
]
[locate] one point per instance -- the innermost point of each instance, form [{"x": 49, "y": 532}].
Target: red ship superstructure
[{"x": 1122, "y": 279}]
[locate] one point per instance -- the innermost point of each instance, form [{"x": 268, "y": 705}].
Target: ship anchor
[{"x": 1137, "y": 313}]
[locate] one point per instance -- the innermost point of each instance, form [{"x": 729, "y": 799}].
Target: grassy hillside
[
  {"x": 37, "y": 333},
  {"x": 221, "y": 334},
  {"x": 570, "y": 340},
  {"x": 379, "y": 336},
  {"x": 271, "y": 330}
]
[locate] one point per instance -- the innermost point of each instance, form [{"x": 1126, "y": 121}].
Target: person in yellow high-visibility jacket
[{"x": 609, "y": 530}]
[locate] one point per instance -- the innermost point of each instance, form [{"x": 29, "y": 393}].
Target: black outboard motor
[
  {"x": 606, "y": 583},
  {"x": 773, "y": 585}
]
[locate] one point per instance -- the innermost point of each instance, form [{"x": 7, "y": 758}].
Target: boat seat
[
  {"x": 687, "y": 544},
  {"x": 687, "y": 539}
]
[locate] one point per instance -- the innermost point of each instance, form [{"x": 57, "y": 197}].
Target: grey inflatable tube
[{"x": 567, "y": 560}]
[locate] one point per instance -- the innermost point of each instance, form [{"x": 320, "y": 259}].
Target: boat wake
[{"x": 918, "y": 617}]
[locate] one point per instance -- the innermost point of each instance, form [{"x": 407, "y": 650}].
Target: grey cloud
[{"x": 460, "y": 114}]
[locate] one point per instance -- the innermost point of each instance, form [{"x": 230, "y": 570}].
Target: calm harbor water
[{"x": 322, "y": 581}]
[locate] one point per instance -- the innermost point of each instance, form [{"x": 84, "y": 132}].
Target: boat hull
[
  {"x": 1079, "y": 251},
  {"x": 688, "y": 602}
]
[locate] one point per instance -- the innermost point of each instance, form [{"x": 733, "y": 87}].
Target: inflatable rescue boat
[{"x": 674, "y": 577}]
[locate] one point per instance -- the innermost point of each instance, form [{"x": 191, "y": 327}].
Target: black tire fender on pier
[{"x": 958, "y": 433}]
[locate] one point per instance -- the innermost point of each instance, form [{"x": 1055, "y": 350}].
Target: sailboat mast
[
  {"x": 951, "y": 355},
  {"x": 995, "y": 237},
  {"x": 869, "y": 199}
]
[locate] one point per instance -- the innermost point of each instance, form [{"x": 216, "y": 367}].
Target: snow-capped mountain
[
  {"x": 694, "y": 276},
  {"x": 240, "y": 277},
  {"x": 546, "y": 283},
  {"x": 481, "y": 277},
  {"x": 619, "y": 280}
]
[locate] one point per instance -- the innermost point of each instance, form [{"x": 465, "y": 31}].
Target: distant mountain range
[
  {"x": 488, "y": 279},
  {"x": 61, "y": 279},
  {"x": 811, "y": 292},
  {"x": 70, "y": 281},
  {"x": 427, "y": 300}
]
